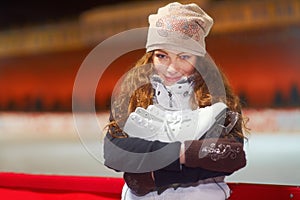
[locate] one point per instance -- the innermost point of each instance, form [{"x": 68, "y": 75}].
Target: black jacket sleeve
[
  {"x": 131, "y": 155},
  {"x": 138, "y": 155}
]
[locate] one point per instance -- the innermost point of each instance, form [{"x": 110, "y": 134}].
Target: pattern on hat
[{"x": 183, "y": 26}]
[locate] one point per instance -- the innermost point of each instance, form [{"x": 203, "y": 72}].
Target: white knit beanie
[{"x": 179, "y": 27}]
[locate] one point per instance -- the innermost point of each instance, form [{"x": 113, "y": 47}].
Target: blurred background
[{"x": 43, "y": 44}]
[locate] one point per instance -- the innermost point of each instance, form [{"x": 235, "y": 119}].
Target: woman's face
[{"x": 172, "y": 66}]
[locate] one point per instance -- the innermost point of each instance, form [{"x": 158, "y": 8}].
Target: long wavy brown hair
[{"x": 136, "y": 90}]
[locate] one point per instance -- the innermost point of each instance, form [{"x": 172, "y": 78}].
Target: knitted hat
[{"x": 179, "y": 27}]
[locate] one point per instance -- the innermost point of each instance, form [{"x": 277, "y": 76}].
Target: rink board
[{"x": 15, "y": 186}]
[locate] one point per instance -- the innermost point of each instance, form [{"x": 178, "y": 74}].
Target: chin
[{"x": 169, "y": 82}]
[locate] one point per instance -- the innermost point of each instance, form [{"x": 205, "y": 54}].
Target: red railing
[{"x": 28, "y": 186}]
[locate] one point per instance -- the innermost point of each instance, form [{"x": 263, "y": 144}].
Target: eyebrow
[{"x": 162, "y": 51}]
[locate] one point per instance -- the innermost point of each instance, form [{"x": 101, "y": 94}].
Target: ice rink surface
[{"x": 271, "y": 159}]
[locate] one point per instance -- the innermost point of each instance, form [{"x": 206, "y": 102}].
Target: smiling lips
[{"x": 171, "y": 78}]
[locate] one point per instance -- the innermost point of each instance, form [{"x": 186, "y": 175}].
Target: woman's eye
[
  {"x": 161, "y": 56},
  {"x": 185, "y": 57}
]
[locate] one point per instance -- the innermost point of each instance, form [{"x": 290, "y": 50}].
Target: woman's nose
[{"x": 172, "y": 68}]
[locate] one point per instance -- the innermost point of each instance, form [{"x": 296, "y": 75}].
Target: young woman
[{"x": 176, "y": 127}]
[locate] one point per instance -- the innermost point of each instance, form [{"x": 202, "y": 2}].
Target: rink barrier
[{"x": 18, "y": 186}]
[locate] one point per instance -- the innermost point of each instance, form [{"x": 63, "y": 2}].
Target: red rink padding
[
  {"x": 45, "y": 187},
  {"x": 263, "y": 192},
  {"x": 27, "y": 186}
]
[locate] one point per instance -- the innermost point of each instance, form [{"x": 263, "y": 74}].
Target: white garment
[
  {"x": 181, "y": 93},
  {"x": 174, "y": 97},
  {"x": 208, "y": 191}
]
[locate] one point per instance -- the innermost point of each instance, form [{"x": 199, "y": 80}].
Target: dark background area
[{"x": 29, "y": 12}]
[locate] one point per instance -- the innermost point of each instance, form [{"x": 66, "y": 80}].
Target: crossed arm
[{"x": 154, "y": 164}]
